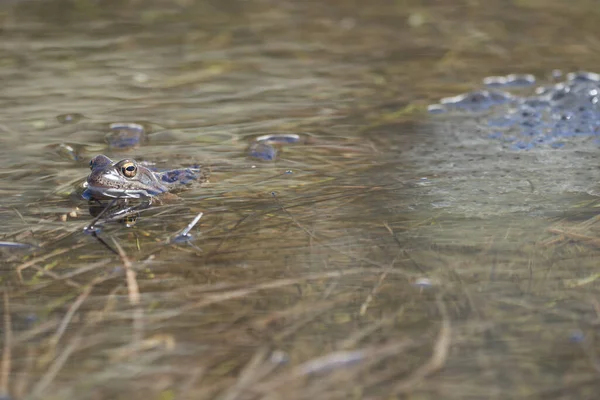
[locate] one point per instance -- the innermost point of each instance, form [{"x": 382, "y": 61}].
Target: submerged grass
[
  {"x": 349, "y": 316},
  {"x": 339, "y": 279},
  {"x": 323, "y": 283}
]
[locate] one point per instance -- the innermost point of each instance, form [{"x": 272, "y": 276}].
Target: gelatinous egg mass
[{"x": 511, "y": 109}]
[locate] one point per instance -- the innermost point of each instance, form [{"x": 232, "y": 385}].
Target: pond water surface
[{"x": 357, "y": 240}]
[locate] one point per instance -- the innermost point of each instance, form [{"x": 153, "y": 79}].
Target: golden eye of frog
[{"x": 128, "y": 179}]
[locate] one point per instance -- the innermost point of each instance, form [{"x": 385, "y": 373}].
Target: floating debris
[
  {"x": 125, "y": 135},
  {"x": 263, "y": 151},
  {"x": 264, "y": 147},
  {"x": 184, "y": 235}
]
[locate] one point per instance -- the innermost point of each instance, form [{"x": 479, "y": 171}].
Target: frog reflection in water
[{"x": 128, "y": 179}]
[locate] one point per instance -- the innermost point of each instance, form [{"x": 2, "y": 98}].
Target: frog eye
[
  {"x": 129, "y": 169},
  {"x": 92, "y": 164}
]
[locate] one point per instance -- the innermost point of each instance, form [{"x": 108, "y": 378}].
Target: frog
[{"x": 129, "y": 179}]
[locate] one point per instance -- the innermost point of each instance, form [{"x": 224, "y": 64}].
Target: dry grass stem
[
  {"x": 438, "y": 358},
  {"x": 134, "y": 294},
  {"x": 376, "y": 288},
  {"x": 7, "y": 348},
  {"x": 69, "y": 315}
]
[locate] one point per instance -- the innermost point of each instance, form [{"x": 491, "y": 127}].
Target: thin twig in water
[
  {"x": 438, "y": 358},
  {"x": 184, "y": 235},
  {"x": 69, "y": 315},
  {"x": 6, "y": 351},
  {"x": 376, "y": 288},
  {"x": 354, "y": 339},
  {"x": 134, "y": 294},
  {"x": 132, "y": 286}
]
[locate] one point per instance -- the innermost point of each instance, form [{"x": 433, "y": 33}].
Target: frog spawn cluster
[{"x": 513, "y": 110}]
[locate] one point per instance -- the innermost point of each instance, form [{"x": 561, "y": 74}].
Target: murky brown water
[{"x": 404, "y": 256}]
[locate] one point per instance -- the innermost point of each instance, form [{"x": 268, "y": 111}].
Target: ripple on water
[{"x": 548, "y": 115}]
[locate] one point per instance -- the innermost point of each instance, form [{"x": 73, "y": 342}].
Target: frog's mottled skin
[{"x": 108, "y": 180}]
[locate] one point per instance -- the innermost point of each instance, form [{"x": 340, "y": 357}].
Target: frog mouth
[{"x": 107, "y": 192}]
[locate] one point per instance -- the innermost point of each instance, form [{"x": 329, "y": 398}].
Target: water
[{"x": 384, "y": 250}]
